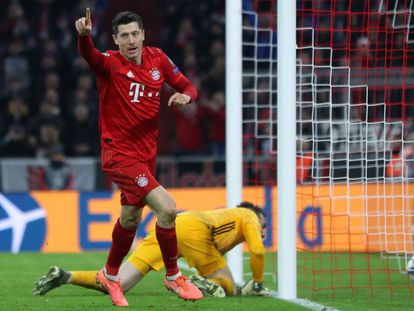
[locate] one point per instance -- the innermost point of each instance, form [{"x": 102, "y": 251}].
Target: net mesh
[{"x": 355, "y": 139}]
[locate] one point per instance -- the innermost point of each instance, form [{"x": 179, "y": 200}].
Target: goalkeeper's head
[{"x": 260, "y": 214}]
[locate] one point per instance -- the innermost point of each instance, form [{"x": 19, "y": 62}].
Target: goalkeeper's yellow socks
[
  {"x": 227, "y": 284},
  {"x": 85, "y": 279}
]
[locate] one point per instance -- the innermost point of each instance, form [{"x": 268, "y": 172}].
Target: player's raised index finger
[{"x": 88, "y": 15}]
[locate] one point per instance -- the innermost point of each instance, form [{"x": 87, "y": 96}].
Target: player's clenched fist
[
  {"x": 84, "y": 24},
  {"x": 179, "y": 99}
]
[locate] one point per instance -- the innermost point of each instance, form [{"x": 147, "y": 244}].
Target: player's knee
[
  {"x": 129, "y": 222},
  {"x": 169, "y": 214},
  {"x": 166, "y": 219}
]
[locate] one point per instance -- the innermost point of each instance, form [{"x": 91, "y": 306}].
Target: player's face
[
  {"x": 130, "y": 39},
  {"x": 263, "y": 230}
]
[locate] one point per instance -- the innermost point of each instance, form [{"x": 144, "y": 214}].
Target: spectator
[
  {"x": 15, "y": 143},
  {"x": 400, "y": 163},
  {"x": 57, "y": 174},
  {"x": 16, "y": 65},
  {"x": 44, "y": 129},
  {"x": 216, "y": 114},
  {"x": 304, "y": 160},
  {"x": 81, "y": 135},
  {"x": 361, "y": 57},
  {"x": 49, "y": 138},
  {"x": 189, "y": 130},
  {"x": 14, "y": 14},
  {"x": 215, "y": 79},
  {"x": 17, "y": 112},
  {"x": 186, "y": 33},
  {"x": 15, "y": 88}
]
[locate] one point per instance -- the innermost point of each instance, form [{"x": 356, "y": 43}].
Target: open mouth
[{"x": 132, "y": 49}]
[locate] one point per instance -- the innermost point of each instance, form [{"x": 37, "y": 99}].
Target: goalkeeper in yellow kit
[{"x": 203, "y": 239}]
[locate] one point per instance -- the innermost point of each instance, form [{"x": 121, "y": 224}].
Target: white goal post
[
  {"x": 234, "y": 156},
  {"x": 286, "y": 148},
  {"x": 286, "y": 125}
]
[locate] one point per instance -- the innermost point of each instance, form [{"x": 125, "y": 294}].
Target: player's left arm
[{"x": 186, "y": 92}]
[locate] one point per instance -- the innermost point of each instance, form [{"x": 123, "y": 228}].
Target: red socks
[
  {"x": 167, "y": 239},
  {"x": 121, "y": 244}
]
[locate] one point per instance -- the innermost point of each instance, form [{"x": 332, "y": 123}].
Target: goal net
[{"x": 355, "y": 140}]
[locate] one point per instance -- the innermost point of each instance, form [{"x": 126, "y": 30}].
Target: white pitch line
[
  {"x": 311, "y": 305},
  {"x": 305, "y": 303},
  {"x": 301, "y": 302}
]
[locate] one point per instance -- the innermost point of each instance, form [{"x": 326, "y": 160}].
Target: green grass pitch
[{"x": 18, "y": 272}]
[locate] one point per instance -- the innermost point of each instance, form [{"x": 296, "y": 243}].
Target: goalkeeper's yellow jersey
[{"x": 231, "y": 226}]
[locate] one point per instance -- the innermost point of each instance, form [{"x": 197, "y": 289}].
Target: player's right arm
[{"x": 95, "y": 59}]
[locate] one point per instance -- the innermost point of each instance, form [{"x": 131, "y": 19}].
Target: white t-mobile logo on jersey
[{"x": 135, "y": 91}]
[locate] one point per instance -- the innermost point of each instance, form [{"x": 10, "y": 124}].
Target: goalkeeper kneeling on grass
[{"x": 203, "y": 239}]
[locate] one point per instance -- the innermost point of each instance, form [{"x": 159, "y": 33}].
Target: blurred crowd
[
  {"x": 49, "y": 100},
  {"x": 361, "y": 109},
  {"x": 364, "y": 53},
  {"x": 48, "y": 96}
]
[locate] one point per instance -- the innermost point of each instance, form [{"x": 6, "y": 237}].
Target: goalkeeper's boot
[
  {"x": 183, "y": 288},
  {"x": 113, "y": 288},
  {"x": 53, "y": 279},
  {"x": 252, "y": 288},
  {"x": 208, "y": 288}
]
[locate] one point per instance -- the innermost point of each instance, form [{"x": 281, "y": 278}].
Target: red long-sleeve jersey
[{"x": 129, "y": 96}]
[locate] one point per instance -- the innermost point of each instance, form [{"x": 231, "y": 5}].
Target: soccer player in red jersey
[{"x": 129, "y": 84}]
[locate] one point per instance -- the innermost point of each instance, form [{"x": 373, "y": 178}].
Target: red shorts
[{"x": 134, "y": 178}]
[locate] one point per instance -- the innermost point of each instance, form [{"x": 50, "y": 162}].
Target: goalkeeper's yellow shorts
[{"x": 194, "y": 244}]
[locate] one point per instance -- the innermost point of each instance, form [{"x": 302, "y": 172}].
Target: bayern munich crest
[
  {"x": 155, "y": 74},
  {"x": 141, "y": 181}
]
